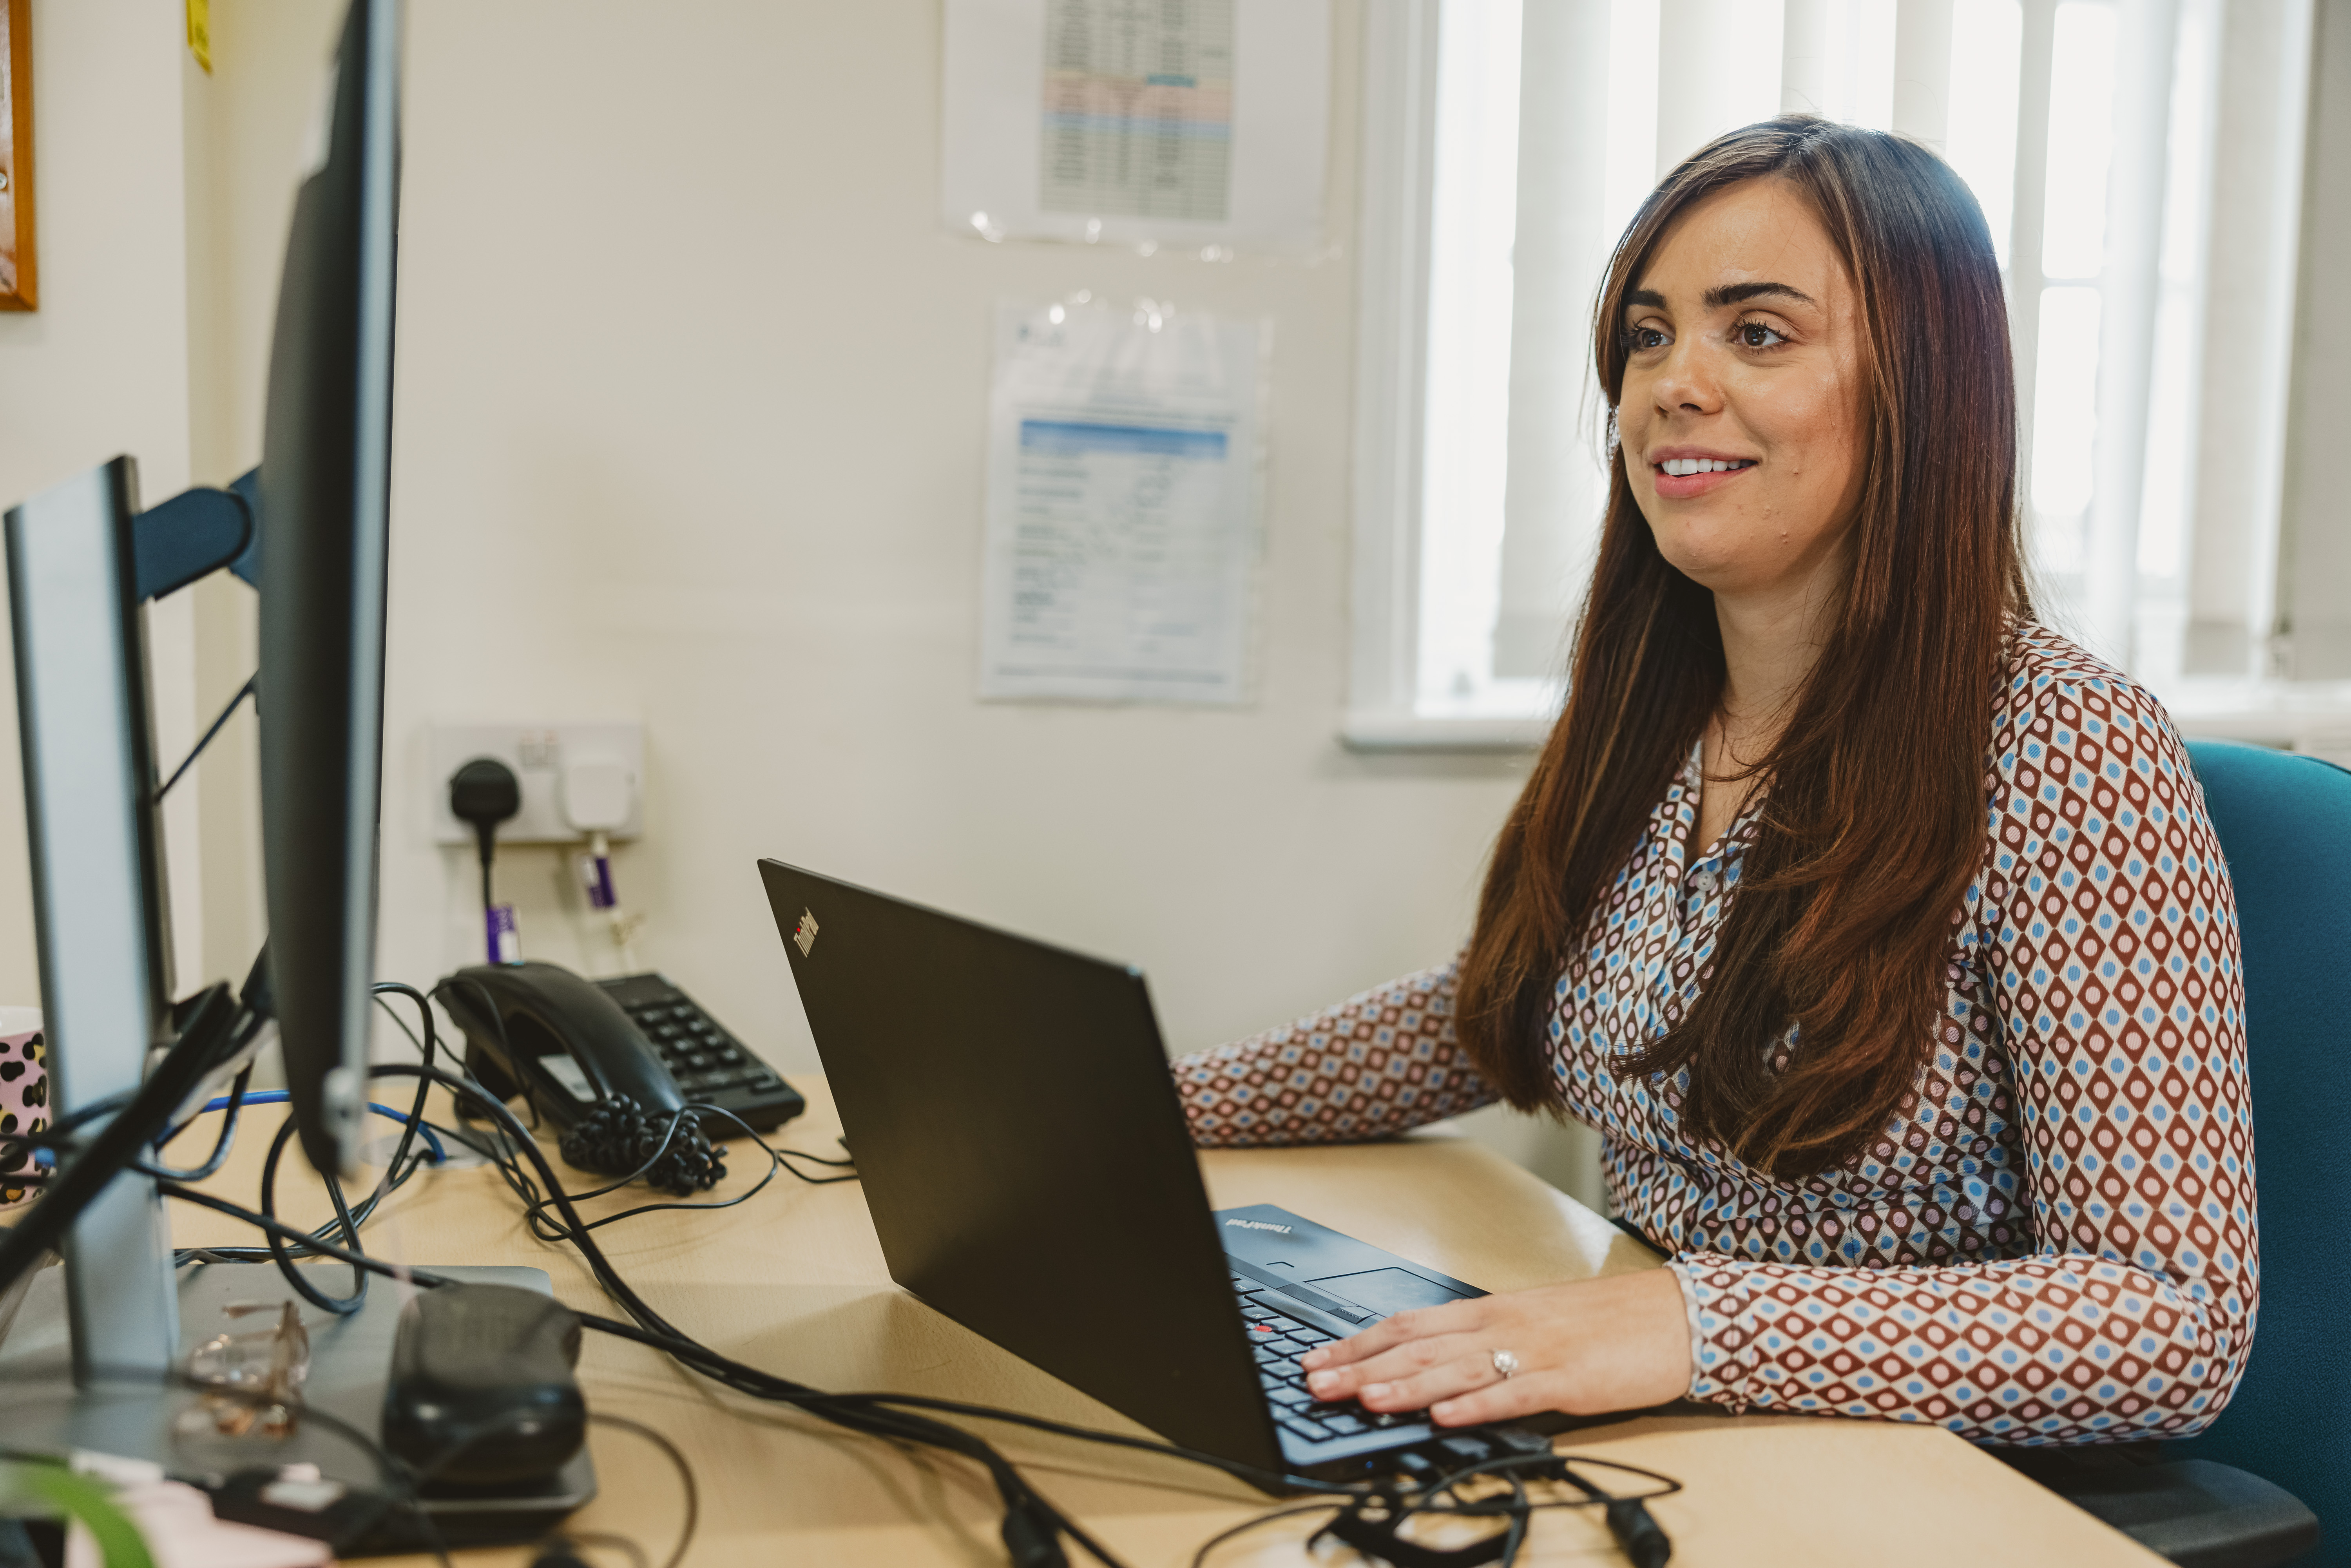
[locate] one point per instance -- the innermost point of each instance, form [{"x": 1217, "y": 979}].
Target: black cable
[
  {"x": 703, "y": 1108},
  {"x": 417, "y": 1113},
  {"x": 1628, "y": 1518},
  {"x": 1033, "y": 1526},
  {"x": 485, "y": 793},
  {"x": 860, "y": 1411},
  {"x": 1290, "y": 1510},
  {"x": 76, "y": 1181},
  {"x": 219, "y": 1156},
  {"x": 592, "y": 1539},
  {"x": 535, "y": 1209},
  {"x": 397, "y": 1476},
  {"x": 685, "y": 1477},
  {"x": 60, "y": 1132},
  {"x": 347, "y": 1224},
  {"x": 403, "y": 1165},
  {"x": 489, "y": 1005},
  {"x": 617, "y": 1136},
  {"x": 300, "y": 1250},
  {"x": 341, "y": 1306},
  {"x": 242, "y": 692}
]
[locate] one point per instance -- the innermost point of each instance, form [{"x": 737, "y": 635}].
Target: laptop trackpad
[{"x": 1387, "y": 1292}]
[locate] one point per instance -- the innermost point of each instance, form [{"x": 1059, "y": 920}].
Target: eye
[
  {"x": 1640, "y": 339},
  {"x": 1756, "y": 335}
]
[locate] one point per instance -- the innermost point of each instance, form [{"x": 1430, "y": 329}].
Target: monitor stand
[
  {"x": 47, "y": 1412},
  {"x": 89, "y": 1361}
]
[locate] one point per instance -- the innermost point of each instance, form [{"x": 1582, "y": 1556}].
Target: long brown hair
[{"x": 1874, "y": 817}]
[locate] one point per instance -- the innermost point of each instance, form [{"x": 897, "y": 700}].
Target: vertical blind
[{"x": 2140, "y": 166}]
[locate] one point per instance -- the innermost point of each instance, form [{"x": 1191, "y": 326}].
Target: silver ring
[{"x": 1505, "y": 1363}]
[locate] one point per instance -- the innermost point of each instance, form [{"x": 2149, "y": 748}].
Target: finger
[
  {"x": 1384, "y": 1335},
  {"x": 1391, "y": 1365},
  {"x": 1455, "y": 1375},
  {"x": 1457, "y": 1317},
  {"x": 1504, "y": 1399}
]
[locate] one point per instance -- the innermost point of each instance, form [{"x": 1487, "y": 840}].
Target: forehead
[{"x": 1754, "y": 232}]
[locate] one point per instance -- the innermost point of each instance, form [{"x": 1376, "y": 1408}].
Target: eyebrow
[{"x": 1727, "y": 293}]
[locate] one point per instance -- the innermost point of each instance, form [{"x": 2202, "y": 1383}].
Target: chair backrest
[{"x": 2284, "y": 824}]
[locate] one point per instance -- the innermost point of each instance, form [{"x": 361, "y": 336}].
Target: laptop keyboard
[{"x": 1278, "y": 1340}]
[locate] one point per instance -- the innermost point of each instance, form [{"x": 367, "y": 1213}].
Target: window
[{"x": 2136, "y": 160}]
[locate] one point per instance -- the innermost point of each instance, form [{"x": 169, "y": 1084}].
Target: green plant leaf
[{"x": 91, "y": 1502}]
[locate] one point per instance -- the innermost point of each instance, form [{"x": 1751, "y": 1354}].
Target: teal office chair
[{"x": 2234, "y": 1496}]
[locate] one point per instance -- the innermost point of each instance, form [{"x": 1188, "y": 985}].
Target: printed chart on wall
[
  {"x": 1136, "y": 120},
  {"x": 1138, "y": 110},
  {"x": 1122, "y": 500}
]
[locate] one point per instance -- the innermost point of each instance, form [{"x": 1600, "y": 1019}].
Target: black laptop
[{"x": 1031, "y": 1175}]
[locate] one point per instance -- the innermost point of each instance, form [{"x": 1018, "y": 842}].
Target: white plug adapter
[{"x": 596, "y": 794}]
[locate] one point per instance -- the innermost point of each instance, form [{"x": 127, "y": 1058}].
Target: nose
[{"x": 1687, "y": 382}]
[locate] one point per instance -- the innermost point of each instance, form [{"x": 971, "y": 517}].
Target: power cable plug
[{"x": 485, "y": 792}]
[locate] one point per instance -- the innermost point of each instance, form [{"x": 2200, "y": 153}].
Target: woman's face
[{"x": 1741, "y": 416}]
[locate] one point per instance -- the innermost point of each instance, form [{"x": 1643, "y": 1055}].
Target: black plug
[
  {"x": 1031, "y": 1537},
  {"x": 1629, "y": 1520},
  {"x": 1638, "y": 1533},
  {"x": 261, "y": 999},
  {"x": 484, "y": 792}
]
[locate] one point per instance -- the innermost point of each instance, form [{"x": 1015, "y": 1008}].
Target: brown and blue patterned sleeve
[
  {"x": 1376, "y": 1064},
  {"x": 2110, "y": 937}
]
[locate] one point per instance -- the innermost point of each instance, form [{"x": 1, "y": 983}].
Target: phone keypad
[{"x": 710, "y": 1065}]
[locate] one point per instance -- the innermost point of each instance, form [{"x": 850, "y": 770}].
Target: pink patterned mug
[{"x": 23, "y": 1090}]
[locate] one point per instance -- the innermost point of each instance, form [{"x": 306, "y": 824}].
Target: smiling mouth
[{"x": 1682, "y": 467}]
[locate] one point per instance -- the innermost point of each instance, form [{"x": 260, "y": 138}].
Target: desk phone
[{"x": 563, "y": 1042}]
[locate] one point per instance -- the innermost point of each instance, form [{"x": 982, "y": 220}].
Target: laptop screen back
[{"x": 1024, "y": 1154}]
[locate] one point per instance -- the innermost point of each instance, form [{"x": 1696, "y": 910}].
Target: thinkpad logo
[
  {"x": 804, "y": 934},
  {"x": 1256, "y": 1224}
]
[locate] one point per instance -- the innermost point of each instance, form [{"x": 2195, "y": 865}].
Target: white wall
[
  {"x": 2317, "y": 550},
  {"x": 689, "y": 429},
  {"x": 103, "y": 367},
  {"x": 691, "y": 390}
]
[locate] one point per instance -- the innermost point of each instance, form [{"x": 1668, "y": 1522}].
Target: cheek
[
  {"x": 1814, "y": 430},
  {"x": 1633, "y": 431},
  {"x": 1634, "y": 405}
]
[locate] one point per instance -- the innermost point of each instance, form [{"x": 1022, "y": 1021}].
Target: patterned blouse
[{"x": 2055, "y": 1244}]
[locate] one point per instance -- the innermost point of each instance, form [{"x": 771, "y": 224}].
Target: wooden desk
[{"x": 793, "y": 1280}]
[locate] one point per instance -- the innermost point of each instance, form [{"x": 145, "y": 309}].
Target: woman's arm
[
  {"x": 2112, "y": 937},
  {"x": 1376, "y": 1064}
]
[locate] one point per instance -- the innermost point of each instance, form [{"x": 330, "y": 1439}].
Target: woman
[{"x": 1880, "y": 930}]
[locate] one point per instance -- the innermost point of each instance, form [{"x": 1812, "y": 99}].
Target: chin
[
  {"x": 1712, "y": 576},
  {"x": 1687, "y": 554}
]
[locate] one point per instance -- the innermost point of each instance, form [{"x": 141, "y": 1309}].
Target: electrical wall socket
[{"x": 538, "y": 753}]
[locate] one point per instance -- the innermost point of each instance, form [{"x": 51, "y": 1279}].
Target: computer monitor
[
  {"x": 83, "y": 560},
  {"x": 326, "y": 485}
]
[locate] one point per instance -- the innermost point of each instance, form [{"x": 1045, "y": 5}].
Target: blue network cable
[{"x": 279, "y": 1097}]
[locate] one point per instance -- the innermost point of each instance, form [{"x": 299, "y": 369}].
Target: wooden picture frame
[{"x": 19, "y": 274}]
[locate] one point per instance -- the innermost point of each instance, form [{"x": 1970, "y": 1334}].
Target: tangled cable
[
  {"x": 1034, "y": 1530},
  {"x": 619, "y": 1138}
]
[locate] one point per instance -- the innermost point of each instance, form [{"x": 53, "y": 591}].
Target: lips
[{"x": 1700, "y": 472}]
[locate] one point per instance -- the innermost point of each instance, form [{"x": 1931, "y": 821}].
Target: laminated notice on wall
[
  {"x": 1183, "y": 122},
  {"x": 1138, "y": 110},
  {"x": 1122, "y": 497}
]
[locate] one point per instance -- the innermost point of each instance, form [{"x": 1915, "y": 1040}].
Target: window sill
[
  {"x": 2313, "y": 716},
  {"x": 1363, "y": 729},
  {"x": 2310, "y": 716}
]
